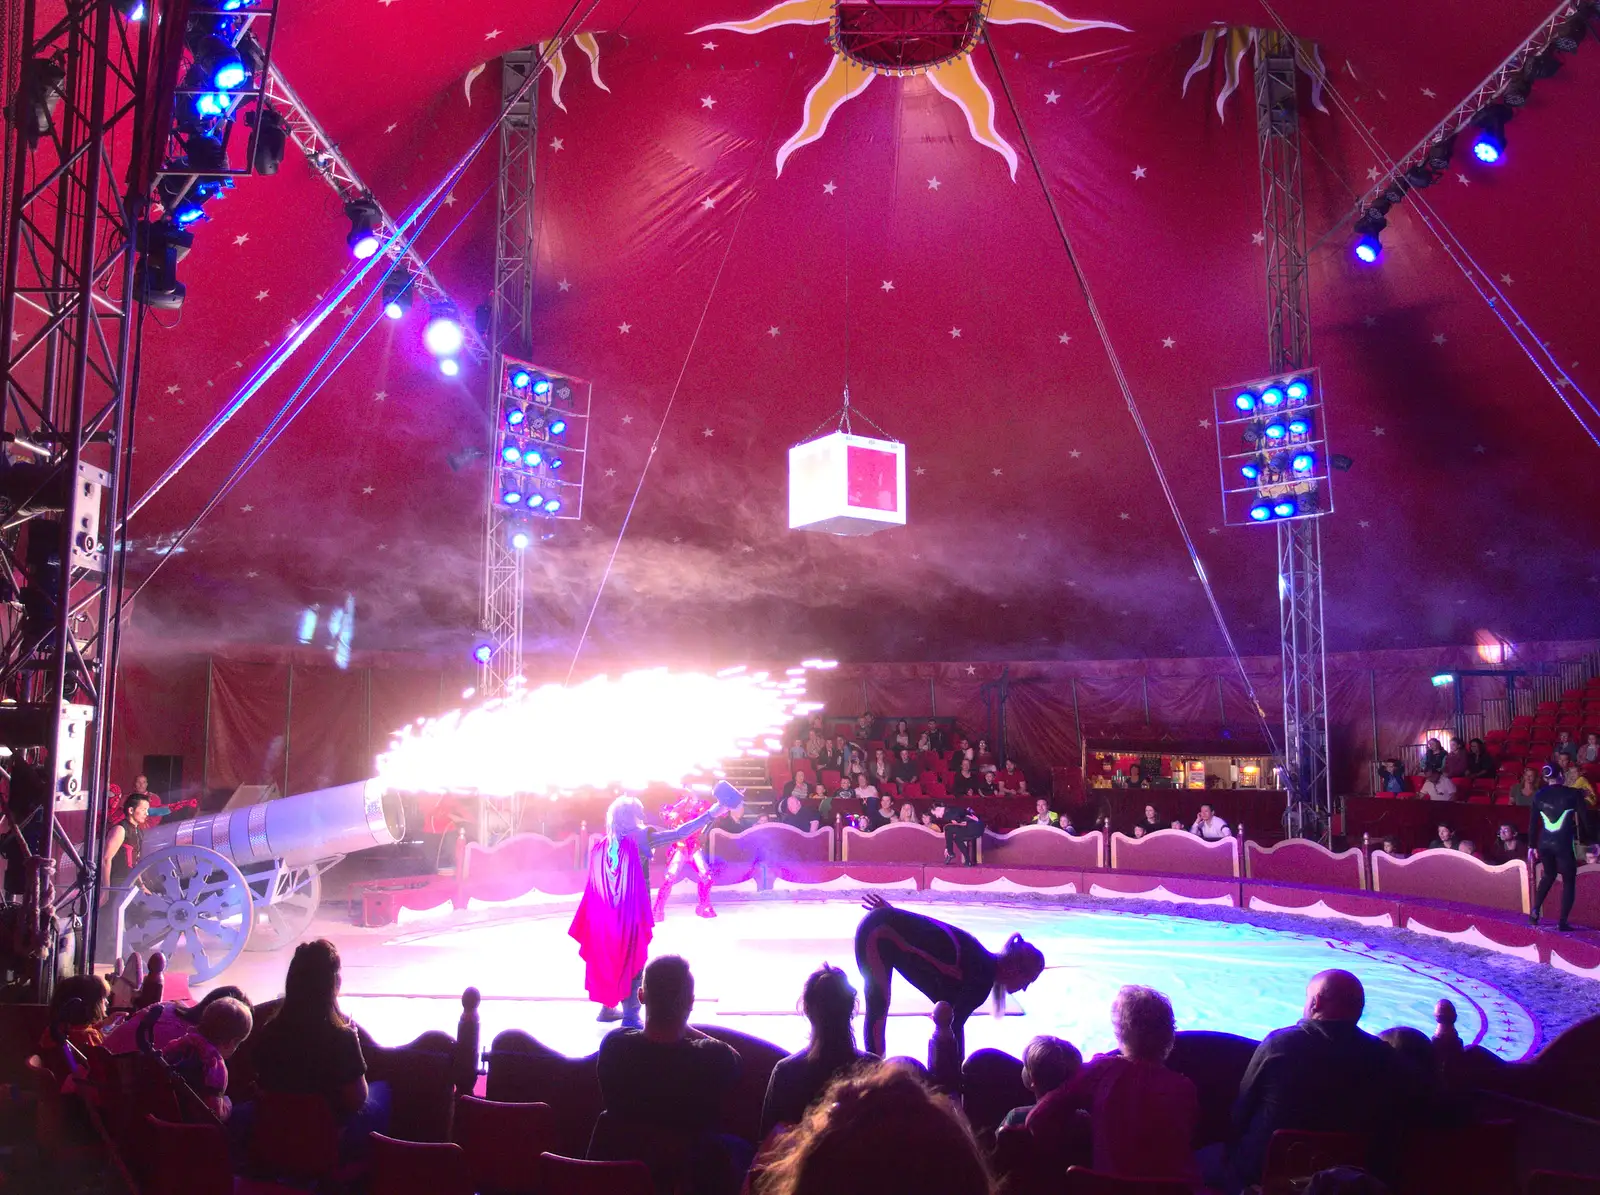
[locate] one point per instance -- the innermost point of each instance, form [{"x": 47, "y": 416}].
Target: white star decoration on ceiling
[
  {"x": 1051, "y": 97},
  {"x": 829, "y": 187},
  {"x": 1506, "y": 278},
  {"x": 933, "y": 184},
  {"x": 1372, "y": 174},
  {"x": 708, "y": 101},
  {"x": 1462, "y": 179},
  {"x": 1258, "y": 238},
  {"x": 1363, "y": 524},
  {"x": 887, "y": 285},
  {"x": 563, "y": 286},
  {"x": 261, "y": 294},
  {"x": 366, "y": 489},
  {"x": 773, "y": 331},
  {"x": 1370, "y": 320},
  {"x": 347, "y": 311},
  {"x": 1138, "y": 172},
  {"x": 995, "y": 472},
  {"x": 1167, "y": 342},
  {"x": 1205, "y": 423},
  {"x": 1428, "y": 92},
  {"x": 971, "y": 671},
  {"x": 391, "y": 128},
  {"x": 1439, "y": 338},
  {"x": 491, "y": 35},
  {"x": 1479, "y": 448},
  {"x": 708, "y": 45},
  {"x": 708, "y": 432},
  {"x": 241, "y": 238},
  {"x": 955, "y": 333},
  {"x": 624, "y": 327},
  {"x": 708, "y": 203},
  {"x": 1075, "y": 454},
  {"x": 1377, "y": 431},
  {"x": 172, "y": 388},
  {"x": 379, "y": 395},
  {"x": 1063, "y": 339},
  {"x": 627, "y": 419},
  {"x": 557, "y": 144},
  {"x": 247, "y": 508},
  {"x": 1211, "y": 531},
  {"x": 1124, "y": 515}
]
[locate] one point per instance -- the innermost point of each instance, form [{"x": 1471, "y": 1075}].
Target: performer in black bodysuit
[
  {"x": 1553, "y": 839},
  {"x": 939, "y": 960}
]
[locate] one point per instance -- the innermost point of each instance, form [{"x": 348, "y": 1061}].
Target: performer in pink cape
[{"x": 614, "y": 919}]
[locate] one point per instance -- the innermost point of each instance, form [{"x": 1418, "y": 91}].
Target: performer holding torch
[{"x": 614, "y": 921}]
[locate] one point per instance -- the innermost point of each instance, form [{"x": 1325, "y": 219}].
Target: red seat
[
  {"x": 294, "y": 1136},
  {"x": 1477, "y": 1159},
  {"x": 1091, "y": 1182},
  {"x": 499, "y": 1138},
  {"x": 418, "y": 1167},
  {"x": 913, "y": 791},
  {"x": 186, "y": 1159},
  {"x": 1294, "y": 1155},
  {"x": 569, "y": 1176},
  {"x": 935, "y": 790},
  {"x": 830, "y": 779},
  {"x": 1559, "y": 1182}
]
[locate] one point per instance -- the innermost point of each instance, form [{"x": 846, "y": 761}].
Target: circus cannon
[{"x": 208, "y": 888}]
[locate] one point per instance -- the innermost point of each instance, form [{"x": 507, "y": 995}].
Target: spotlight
[
  {"x": 1438, "y": 156},
  {"x": 1341, "y": 463},
  {"x": 1250, "y": 472},
  {"x": 397, "y": 294},
  {"x": 521, "y": 379},
  {"x": 555, "y": 462},
  {"x": 1420, "y": 177},
  {"x": 1272, "y": 396},
  {"x": 1543, "y": 66},
  {"x": 131, "y": 10},
  {"x": 443, "y": 335},
  {"x": 1442, "y": 679},
  {"x": 557, "y": 426},
  {"x": 1245, "y": 401},
  {"x": 552, "y": 505},
  {"x": 220, "y": 63},
  {"x": 483, "y": 652},
  {"x": 511, "y": 496},
  {"x": 541, "y": 386},
  {"x": 1367, "y": 249},
  {"x": 1393, "y": 192},
  {"x": 1303, "y": 462},
  {"x": 1261, "y": 512},
  {"x": 515, "y": 416},
  {"x": 38, "y": 95},
  {"x": 1300, "y": 426},
  {"x": 272, "y": 139},
  {"x": 1367, "y": 246},
  {"x": 511, "y": 455},
  {"x": 532, "y": 457},
  {"x": 1490, "y": 145},
  {"x": 1274, "y": 431},
  {"x": 449, "y": 366},
  {"x": 1298, "y": 390},
  {"x": 1571, "y": 32},
  {"x": 365, "y": 219},
  {"x": 521, "y": 538},
  {"x": 161, "y": 246},
  {"x": 1284, "y": 509}
]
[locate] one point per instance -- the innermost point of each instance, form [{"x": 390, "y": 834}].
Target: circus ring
[{"x": 1230, "y": 934}]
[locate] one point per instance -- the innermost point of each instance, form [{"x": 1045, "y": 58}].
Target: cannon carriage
[{"x": 208, "y": 888}]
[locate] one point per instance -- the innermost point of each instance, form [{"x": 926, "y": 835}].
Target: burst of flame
[{"x": 638, "y": 729}]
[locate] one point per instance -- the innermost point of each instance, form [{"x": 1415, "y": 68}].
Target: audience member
[
  {"x": 985, "y": 787},
  {"x": 1047, "y": 1063},
  {"x": 881, "y": 770},
  {"x": 964, "y": 750},
  {"x": 1589, "y": 753},
  {"x": 1022, "y": 787},
  {"x": 1455, "y": 760},
  {"x": 829, "y": 1004},
  {"x": 814, "y": 744},
  {"x": 1528, "y": 786},
  {"x": 1043, "y": 815},
  {"x": 1392, "y": 777},
  {"x": 1573, "y": 777},
  {"x": 864, "y": 727},
  {"x": 1438, "y": 787},
  {"x": 797, "y": 750},
  {"x": 983, "y": 757},
  {"x": 1509, "y": 844},
  {"x": 1066, "y": 823},
  {"x": 1480, "y": 764},
  {"x": 906, "y": 769},
  {"x": 1432, "y": 757},
  {"x": 1142, "y": 1115},
  {"x": 1322, "y": 1075},
  {"x": 1391, "y": 846},
  {"x": 881, "y": 814},
  {"x": 1444, "y": 838},
  {"x": 1564, "y": 746},
  {"x": 966, "y": 782},
  {"x": 1591, "y": 854},
  {"x": 866, "y": 791},
  {"x": 927, "y": 739},
  {"x": 800, "y": 789},
  {"x": 200, "y": 1057},
  {"x": 794, "y": 813},
  {"x": 162, "y": 1024},
  {"x": 1148, "y": 823},
  {"x": 1439, "y": 1106},
  {"x": 77, "y": 1006},
  {"x": 962, "y": 829},
  {"x": 901, "y": 739},
  {"x": 1209, "y": 826},
  {"x": 878, "y": 1131},
  {"x": 1008, "y": 778},
  {"x": 908, "y": 813},
  {"x": 1468, "y": 847}
]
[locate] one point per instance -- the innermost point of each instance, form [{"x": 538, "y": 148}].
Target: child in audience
[
  {"x": 77, "y": 1006},
  {"x": 200, "y": 1058},
  {"x": 1047, "y": 1063}
]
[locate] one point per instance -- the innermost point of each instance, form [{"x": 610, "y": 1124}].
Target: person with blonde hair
[
  {"x": 1142, "y": 1115},
  {"x": 879, "y": 1131}
]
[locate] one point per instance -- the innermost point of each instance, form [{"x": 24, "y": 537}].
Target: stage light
[
  {"x": 272, "y": 139},
  {"x": 511, "y": 455},
  {"x": 219, "y": 63},
  {"x": 38, "y": 96},
  {"x": 1490, "y": 145},
  {"x": 515, "y": 416},
  {"x": 1341, "y": 463},
  {"x": 131, "y": 10},
  {"x": 532, "y": 457},
  {"x": 1261, "y": 512},
  {"x": 1284, "y": 509},
  {"x": 1367, "y": 249},
  {"x": 557, "y": 426},
  {"x": 1440, "y": 680},
  {"x": 541, "y": 386},
  {"x": 443, "y": 335},
  {"x": 552, "y": 505},
  {"x": 187, "y": 212},
  {"x": 397, "y": 294},
  {"x": 364, "y": 239},
  {"x": 1571, "y": 32},
  {"x": 1298, "y": 390},
  {"x": 1439, "y": 153},
  {"x": 511, "y": 496},
  {"x": 449, "y": 366},
  {"x": 521, "y": 379},
  {"x": 161, "y": 246},
  {"x": 483, "y": 652},
  {"x": 1245, "y": 401},
  {"x": 1274, "y": 431},
  {"x": 520, "y": 538},
  {"x": 1299, "y": 426},
  {"x": 1420, "y": 178},
  {"x": 1303, "y": 462},
  {"x": 1272, "y": 396},
  {"x": 1251, "y": 472},
  {"x": 555, "y": 462}
]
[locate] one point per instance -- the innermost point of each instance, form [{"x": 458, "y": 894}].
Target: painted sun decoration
[{"x": 935, "y": 38}]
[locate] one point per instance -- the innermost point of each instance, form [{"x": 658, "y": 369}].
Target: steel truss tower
[
  {"x": 511, "y": 334},
  {"x": 1305, "y": 695},
  {"x": 66, "y": 426}
]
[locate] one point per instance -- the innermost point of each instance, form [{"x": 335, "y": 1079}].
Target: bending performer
[
  {"x": 940, "y": 961},
  {"x": 1553, "y": 840},
  {"x": 614, "y": 922}
]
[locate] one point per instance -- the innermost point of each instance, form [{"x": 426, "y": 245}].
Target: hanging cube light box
[{"x": 846, "y": 484}]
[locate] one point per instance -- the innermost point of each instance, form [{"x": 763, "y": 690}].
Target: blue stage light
[
  {"x": 210, "y": 103},
  {"x": 541, "y": 386},
  {"x": 132, "y": 10},
  {"x": 520, "y": 379},
  {"x": 515, "y": 416},
  {"x": 532, "y": 457},
  {"x": 187, "y": 213},
  {"x": 1303, "y": 463},
  {"x": 511, "y": 496},
  {"x": 1260, "y": 512},
  {"x": 483, "y": 652},
  {"x": 510, "y": 454},
  {"x": 1442, "y": 679},
  {"x": 1272, "y": 396},
  {"x": 449, "y": 366},
  {"x": 1489, "y": 148},
  {"x": 1274, "y": 431},
  {"x": 1298, "y": 390},
  {"x": 557, "y": 426},
  {"x": 1251, "y": 472},
  {"x": 227, "y": 70},
  {"x": 443, "y": 335},
  {"x": 1300, "y": 426},
  {"x": 1245, "y": 401},
  {"x": 1367, "y": 248},
  {"x": 552, "y": 505},
  {"x": 520, "y": 539},
  {"x": 1284, "y": 509},
  {"x": 393, "y": 310},
  {"x": 555, "y": 462}
]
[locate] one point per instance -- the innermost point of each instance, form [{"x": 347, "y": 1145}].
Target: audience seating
[
  {"x": 666, "y": 1154},
  {"x": 1559, "y": 1182},
  {"x": 418, "y": 1168},
  {"x": 499, "y": 1138},
  {"x": 1294, "y": 1155},
  {"x": 521, "y": 1070},
  {"x": 559, "y": 1175},
  {"x": 293, "y": 1137},
  {"x": 1478, "y": 1159},
  {"x": 186, "y": 1159},
  {"x": 1091, "y": 1182},
  {"x": 991, "y": 1085},
  {"x": 1215, "y": 1063}
]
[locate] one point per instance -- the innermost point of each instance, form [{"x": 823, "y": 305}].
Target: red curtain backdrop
[
  {"x": 327, "y": 729},
  {"x": 248, "y": 723},
  {"x": 160, "y": 710}
]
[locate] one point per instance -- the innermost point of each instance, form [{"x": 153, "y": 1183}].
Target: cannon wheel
[
  {"x": 187, "y": 902},
  {"x": 287, "y": 909}
]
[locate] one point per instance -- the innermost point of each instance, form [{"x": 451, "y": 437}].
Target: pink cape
[{"x": 613, "y": 923}]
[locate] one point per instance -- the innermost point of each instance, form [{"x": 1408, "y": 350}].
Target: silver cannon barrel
[{"x": 293, "y": 830}]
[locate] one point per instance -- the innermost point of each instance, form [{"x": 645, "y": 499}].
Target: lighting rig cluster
[
  {"x": 543, "y": 433},
  {"x": 1271, "y": 444},
  {"x": 1479, "y": 121},
  {"x": 218, "y": 55}
]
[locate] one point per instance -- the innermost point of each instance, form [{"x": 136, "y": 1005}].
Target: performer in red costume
[
  {"x": 614, "y": 922},
  {"x": 687, "y": 852}
]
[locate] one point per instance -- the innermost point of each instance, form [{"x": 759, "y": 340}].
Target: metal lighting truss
[
  {"x": 1556, "y": 31},
  {"x": 66, "y": 422},
  {"x": 329, "y": 162},
  {"x": 511, "y": 334},
  {"x": 1305, "y": 696}
]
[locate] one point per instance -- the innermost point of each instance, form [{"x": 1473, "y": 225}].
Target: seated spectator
[
  {"x": 800, "y": 790},
  {"x": 901, "y": 739},
  {"x": 1438, "y": 787},
  {"x": 1043, "y": 815},
  {"x": 1392, "y": 777},
  {"x": 847, "y": 787},
  {"x": 200, "y": 1057},
  {"x": 1209, "y": 826},
  {"x": 1432, "y": 756},
  {"x": 1455, "y": 760},
  {"x": 1142, "y": 1115},
  {"x": 1022, "y": 787},
  {"x": 1066, "y": 823},
  {"x": 866, "y": 791},
  {"x": 1322, "y": 1075},
  {"x": 908, "y": 814},
  {"x": 1468, "y": 847},
  {"x": 162, "y": 1024},
  {"x": 983, "y": 757},
  {"x": 985, "y": 786},
  {"x": 1589, "y": 753},
  {"x": 1591, "y": 855},
  {"x": 1509, "y": 844},
  {"x": 793, "y": 812},
  {"x": 1008, "y": 778},
  {"x": 77, "y": 1006},
  {"x": 1574, "y": 778},
  {"x": 1480, "y": 764},
  {"x": 864, "y": 725},
  {"x": 1564, "y": 746},
  {"x": 831, "y": 758},
  {"x": 964, "y": 750},
  {"x": 1135, "y": 777},
  {"x": 829, "y": 1004},
  {"x": 1528, "y": 786},
  {"x": 814, "y": 744},
  {"x": 906, "y": 769},
  {"x": 878, "y": 1131},
  {"x": 1444, "y": 838},
  {"x": 881, "y": 770},
  {"x": 927, "y": 739},
  {"x": 797, "y": 750},
  {"x": 1441, "y": 1107},
  {"x": 1047, "y": 1063},
  {"x": 668, "y": 1077},
  {"x": 966, "y": 781},
  {"x": 1149, "y": 823},
  {"x": 883, "y": 813},
  {"x": 1391, "y": 846}
]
